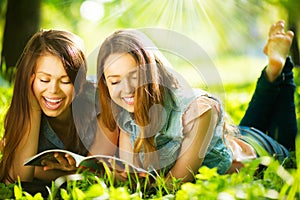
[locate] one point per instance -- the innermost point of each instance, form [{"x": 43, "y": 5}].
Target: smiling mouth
[
  {"x": 53, "y": 100},
  {"x": 54, "y": 103},
  {"x": 129, "y": 100}
]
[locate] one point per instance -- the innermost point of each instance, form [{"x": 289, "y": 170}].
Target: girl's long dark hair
[{"x": 69, "y": 48}]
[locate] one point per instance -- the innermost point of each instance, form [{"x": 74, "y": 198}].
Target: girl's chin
[
  {"x": 126, "y": 106},
  {"x": 129, "y": 109},
  {"x": 51, "y": 113}
]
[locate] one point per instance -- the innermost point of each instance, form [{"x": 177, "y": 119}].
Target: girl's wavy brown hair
[{"x": 154, "y": 84}]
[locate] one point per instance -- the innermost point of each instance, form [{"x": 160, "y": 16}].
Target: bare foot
[{"x": 277, "y": 49}]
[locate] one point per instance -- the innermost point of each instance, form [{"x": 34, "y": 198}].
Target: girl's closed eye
[
  {"x": 66, "y": 81},
  {"x": 44, "y": 80},
  {"x": 113, "y": 81}
]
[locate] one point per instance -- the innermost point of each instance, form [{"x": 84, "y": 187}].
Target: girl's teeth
[
  {"x": 53, "y": 100},
  {"x": 129, "y": 100}
]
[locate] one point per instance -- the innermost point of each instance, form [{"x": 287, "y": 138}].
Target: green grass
[
  {"x": 273, "y": 182},
  {"x": 5, "y": 98}
]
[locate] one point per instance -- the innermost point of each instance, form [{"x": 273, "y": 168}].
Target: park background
[{"x": 232, "y": 33}]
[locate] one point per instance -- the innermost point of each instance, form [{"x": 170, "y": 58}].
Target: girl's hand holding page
[{"x": 63, "y": 162}]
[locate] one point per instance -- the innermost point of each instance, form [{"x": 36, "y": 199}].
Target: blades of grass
[
  {"x": 109, "y": 173},
  {"x": 128, "y": 176}
]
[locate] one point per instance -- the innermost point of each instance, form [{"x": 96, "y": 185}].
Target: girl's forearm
[{"x": 194, "y": 146}]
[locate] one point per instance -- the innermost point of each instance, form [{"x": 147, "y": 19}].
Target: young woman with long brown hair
[
  {"x": 52, "y": 107},
  {"x": 167, "y": 128}
]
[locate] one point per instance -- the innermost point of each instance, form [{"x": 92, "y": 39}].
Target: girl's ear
[{"x": 32, "y": 78}]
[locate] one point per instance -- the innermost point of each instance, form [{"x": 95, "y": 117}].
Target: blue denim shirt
[
  {"x": 48, "y": 138},
  {"x": 168, "y": 140}
]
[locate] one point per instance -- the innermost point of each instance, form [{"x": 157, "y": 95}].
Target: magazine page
[
  {"x": 95, "y": 163},
  {"x": 49, "y": 155}
]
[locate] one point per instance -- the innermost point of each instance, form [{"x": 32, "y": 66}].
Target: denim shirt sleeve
[{"x": 219, "y": 156}]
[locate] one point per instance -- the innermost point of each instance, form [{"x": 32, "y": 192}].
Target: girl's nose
[
  {"x": 128, "y": 86},
  {"x": 54, "y": 86}
]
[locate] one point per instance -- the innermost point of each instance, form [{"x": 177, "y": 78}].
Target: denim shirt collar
[
  {"x": 48, "y": 138},
  {"x": 127, "y": 122}
]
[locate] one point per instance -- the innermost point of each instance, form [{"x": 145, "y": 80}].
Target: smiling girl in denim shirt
[{"x": 170, "y": 128}]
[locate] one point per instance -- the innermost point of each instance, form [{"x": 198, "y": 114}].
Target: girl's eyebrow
[
  {"x": 47, "y": 74},
  {"x": 128, "y": 73},
  {"x": 112, "y": 76},
  {"x": 132, "y": 72}
]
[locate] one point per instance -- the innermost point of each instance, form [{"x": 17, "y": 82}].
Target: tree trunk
[{"x": 22, "y": 21}]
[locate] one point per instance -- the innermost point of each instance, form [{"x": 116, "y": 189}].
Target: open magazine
[{"x": 96, "y": 163}]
